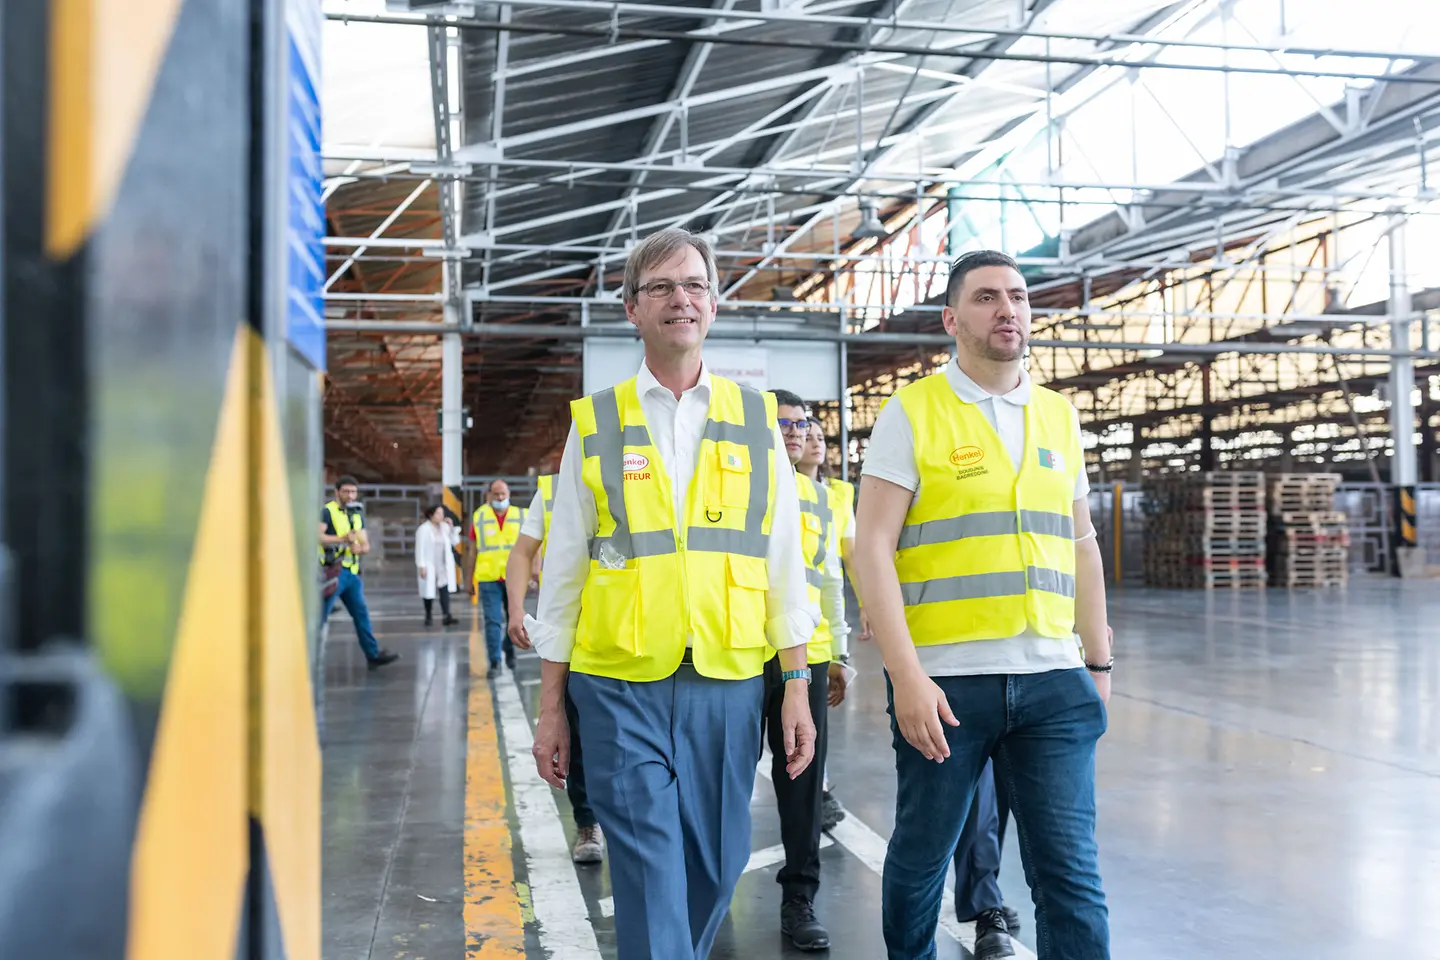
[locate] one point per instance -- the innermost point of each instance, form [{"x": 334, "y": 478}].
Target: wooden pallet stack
[
  {"x": 1309, "y": 538},
  {"x": 1205, "y": 530}
]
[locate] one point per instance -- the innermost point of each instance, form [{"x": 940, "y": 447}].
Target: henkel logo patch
[
  {"x": 966, "y": 456},
  {"x": 634, "y": 462}
]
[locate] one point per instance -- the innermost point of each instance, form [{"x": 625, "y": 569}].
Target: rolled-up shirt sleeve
[
  {"x": 791, "y": 618},
  {"x": 567, "y": 558}
]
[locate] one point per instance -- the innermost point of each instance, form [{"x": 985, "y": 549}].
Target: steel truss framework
[{"x": 769, "y": 130}]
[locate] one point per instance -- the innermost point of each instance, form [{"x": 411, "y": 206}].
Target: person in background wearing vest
[
  {"x": 495, "y": 529},
  {"x": 977, "y": 555},
  {"x": 798, "y": 800},
  {"x": 673, "y": 566},
  {"x": 341, "y": 521},
  {"x": 812, "y": 465},
  {"x": 521, "y": 573}
]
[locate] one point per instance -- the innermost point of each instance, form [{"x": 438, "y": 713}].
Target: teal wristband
[{"x": 788, "y": 675}]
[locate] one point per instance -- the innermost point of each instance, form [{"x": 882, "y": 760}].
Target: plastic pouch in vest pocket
[
  {"x": 734, "y": 461},
  {"x": 746, "y": 583},
  {"x": 609, "y": 613}
]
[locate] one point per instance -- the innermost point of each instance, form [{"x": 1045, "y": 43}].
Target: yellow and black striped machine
[{"x": 162, "y": 341}]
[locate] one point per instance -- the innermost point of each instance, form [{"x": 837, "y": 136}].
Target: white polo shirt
[{"x": 891, "y": 457}]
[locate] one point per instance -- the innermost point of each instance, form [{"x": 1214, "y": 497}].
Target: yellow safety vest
[
  {"x": 653, "y": 584},
  {"x": 493, "y": 543},
  {"x": 817, "y": 541},
  {"x": 985, "y": 552},
  {"x": 546, "y": 484},
  {"x": 845, "y": 517},
  {"x": 343, "y": 527}
]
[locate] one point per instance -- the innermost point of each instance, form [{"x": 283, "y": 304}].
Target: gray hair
[{"x": 659, "y": 247}]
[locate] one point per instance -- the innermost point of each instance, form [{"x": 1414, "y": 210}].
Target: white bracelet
[{"x": 1089, "y": 536}]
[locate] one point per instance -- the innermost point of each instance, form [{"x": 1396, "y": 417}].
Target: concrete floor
[{"x": 1269, "y": 788}]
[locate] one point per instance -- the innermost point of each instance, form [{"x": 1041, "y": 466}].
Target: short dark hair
[
  {"x": 973, "y": 261},
  {"x": 816, "y": 421},
  {"x": 430, "y": 510},
  {"x": 784, "y": 398},
  {"x": 346, "y": 481}
]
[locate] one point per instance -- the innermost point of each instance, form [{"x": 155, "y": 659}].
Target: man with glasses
[
  {"x": 977, "y": 555},
  {"x": 799, "y": 800},
  {"x": 673, "y": 566}
]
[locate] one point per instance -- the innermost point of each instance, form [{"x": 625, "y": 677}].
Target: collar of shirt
[
  {"x": 646, "y": 383},
  {"x": 971, "y": 392}
]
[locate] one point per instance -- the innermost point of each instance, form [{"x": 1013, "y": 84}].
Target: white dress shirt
[
  {"x": 891, "y": 456},
  {"x": 676, "y": 427}
]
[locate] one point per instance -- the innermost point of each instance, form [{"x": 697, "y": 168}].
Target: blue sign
[{"x": 304, "y": 210}]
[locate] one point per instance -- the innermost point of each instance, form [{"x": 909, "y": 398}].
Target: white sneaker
[{"x": 589, "y": 845}]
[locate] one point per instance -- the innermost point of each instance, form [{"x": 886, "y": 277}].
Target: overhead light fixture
[{"x": 870, "y": 227}]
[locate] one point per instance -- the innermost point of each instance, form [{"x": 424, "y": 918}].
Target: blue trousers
[
  {"x": 670, "y": 767},
  {"x": 495, "y": 605},
  {"x": 977, "y": 855},
  {"x": 1041, "y": 730},
  {"x": 351, "y": 592}
]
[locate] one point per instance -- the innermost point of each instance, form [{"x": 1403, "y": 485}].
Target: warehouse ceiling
[{"x": 568, "y": 128}]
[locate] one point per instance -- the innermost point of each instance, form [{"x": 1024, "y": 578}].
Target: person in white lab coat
[{"x": 434, "y": 563}]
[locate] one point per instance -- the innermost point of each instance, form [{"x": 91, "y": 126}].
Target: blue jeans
[
  {"x": 495, "y": 605},
  {"x": 351, "y": 592},
  {"x": 670, "y": 767},
  {"x": 1041, "y": 730}
]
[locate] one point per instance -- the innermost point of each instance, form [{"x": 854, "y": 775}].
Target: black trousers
[
  {"x": 798, "y": 800},
  {"x": 977, "y": 855},
  {"x": 444, "y": 596},
  {"x": 575, "y": 781}
]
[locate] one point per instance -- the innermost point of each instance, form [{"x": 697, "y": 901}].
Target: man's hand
[
  {"x": 1102, "y": 686},
  {"x": 920, "y": 706},
  {"x": 837, "y": 684},
  {"x": 865, "y": 632},
  {"x": 519, "y": 635},
  {"x": 799, "y": 727},
  {"x": 552, "y": 744}
]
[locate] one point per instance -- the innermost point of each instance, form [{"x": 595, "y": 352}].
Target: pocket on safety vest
[
  {"x": 746, "y": 583},
  {"x": 609, "y": 612},
  {"x": 735, "y": 468}
]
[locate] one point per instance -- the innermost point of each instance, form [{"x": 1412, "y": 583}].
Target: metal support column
[
  {"x": 452, "y": 384},
  {"x": 1402, "y": 402},
  {"x": 844, "y": 411}
]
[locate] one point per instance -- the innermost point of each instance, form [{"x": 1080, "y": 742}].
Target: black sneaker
[
  {"x": 429, "y": 620},
  {"x": 449, "y": 621},
  {"x": 1012, "y": 919},
  {"x": 797, "y": 921},
  {"x": 831, "y": 812},
  {"x": 510, "y": 659},
  {"x": 494, "y": 670},
  {"x": 992, "y": 936},
  {"x": 382, "y": 658}
]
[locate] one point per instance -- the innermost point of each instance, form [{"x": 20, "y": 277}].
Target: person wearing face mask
[
  {"x": 434, "y": 563},
  {"x": 673, "y": 565},
  {"x": 978, "y": 559},
  {"x": 495, "y": 528}
]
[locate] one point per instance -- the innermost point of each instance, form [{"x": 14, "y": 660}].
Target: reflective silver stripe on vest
[
  {"x": 973, "y": 587},
  {"x": 821, "y": 509},
  {"x": 608, "y": 444},
  {"x": 814, "y": 578},
  {"x": 993, "y": 524},
  {"x": 1052, "y": 581},
  {"x": 651, "y": 543},
  {"x": 756, "y": 435},
  {"x": 1048, "y": 524},
  {"x": 632, "y": 436}
]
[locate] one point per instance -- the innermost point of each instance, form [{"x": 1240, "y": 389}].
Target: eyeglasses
[
  {"x": 797, "y": 425},
  {"x": 664, "y": 289}
]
